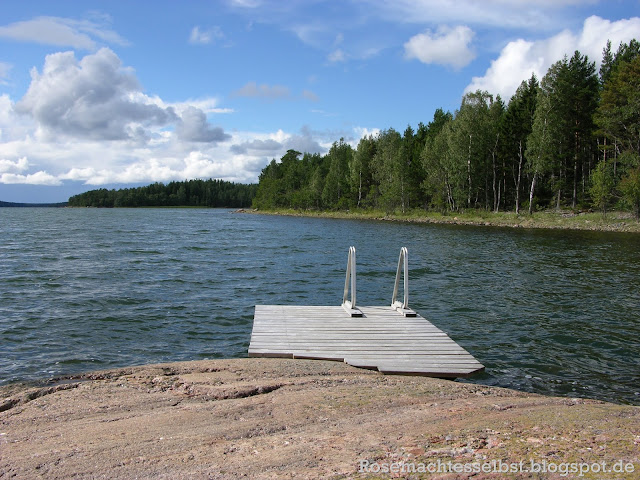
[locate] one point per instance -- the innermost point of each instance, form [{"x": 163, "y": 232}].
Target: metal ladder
[{"x": 350, "y": 280}]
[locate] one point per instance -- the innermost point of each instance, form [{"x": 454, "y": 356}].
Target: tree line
[
  {"x": 191, "y": 193},
  {"x": 571, "y": 139}
]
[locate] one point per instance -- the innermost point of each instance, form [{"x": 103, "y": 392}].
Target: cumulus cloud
[
  {"x": 275, "y": 145},
  {"x": 205, "y": 37},
  {"x": 194, "y": 127},
  {"x": 92, "y": 98},
  {"x": 38, "y": 178},
  {"x": 362, "y": 132},
  {"x": 20, "y": 165},
  {"x": 303, "y": 142},
  {"x": 166, "y": 157},
  {"x": 89, "y": 121},
  {"x": 447, "y": 46},
  {"x": 520, "y": 58},
  {"x": 265, "y": 147},
  {"x": 195, "y": 164},
  {"x": 269, "y": 92},
  {"x": 62, "y": 32}
]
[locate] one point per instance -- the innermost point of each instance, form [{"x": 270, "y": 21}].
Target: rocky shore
[
  {"x": 278, "y": 418},
  {"x": 622, "y": 222}
]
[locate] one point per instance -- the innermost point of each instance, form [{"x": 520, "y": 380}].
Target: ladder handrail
[
  {"x": 350, "y": 278},
  {"x": 351, "y": 275},
  {"x": 403, "y": 266}
]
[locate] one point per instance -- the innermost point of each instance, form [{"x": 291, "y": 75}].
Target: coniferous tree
[
  {"x": 618, "y": 113},
  {"x": 360, "y": 169},
  {"x": 517, "y": 126},
  {"x": 336, "y": 190},
  {"x": 601, "y": 186},
  {"x": 388, "y": 171},
  {"x": 493, "y": 176},
  {"x": 484, "y": 156}
]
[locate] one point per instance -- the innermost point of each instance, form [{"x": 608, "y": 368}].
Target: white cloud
[
  {"x": 448, "y": 46},
  {"x": 511, "y": 14},
  {"x": 4, "y": 72},
  {"x": 270, "y": 92},
  {"x": 58, "y": 160},
  {"x": 303, "y": 142},
  {"x": 597, "y": 31},
  {"x": 520, "y": 58},
  {"x": 88, "y": 121},
  {"x": 97, "y": 99},
  {"x": 6, "y": 111},
  {"x": 205, "y": 37},
  {"x": 166, "y": 157},
  {"x": 62, "y": 32},
  {"x": 207, "y": 104},
  {"x": 212, "y": 163},
  {"x": 337, "y": 56},
  {"x": 314, "y": 34},
  {"x": 7, "y": 166},
  {"x": 362, "y": 132},
  {"x": 89, "y": 99},
  {"x": 246, "y": 3},
  {"x": 38, "y": 178},
  {"x": 268, "y": 146},
  {"x": 193, "y": 127},
  {"x": 309, "y": 95}
]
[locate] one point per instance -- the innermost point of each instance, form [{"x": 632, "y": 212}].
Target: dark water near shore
[{"x": 84, "y": 289}]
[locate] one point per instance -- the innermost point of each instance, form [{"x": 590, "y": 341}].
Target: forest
[
  {"x": 569, "y": 140},
  {"x": 191, "y": 193}
]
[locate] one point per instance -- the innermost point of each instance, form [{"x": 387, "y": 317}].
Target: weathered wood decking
[{"x": 382, "y": 338}]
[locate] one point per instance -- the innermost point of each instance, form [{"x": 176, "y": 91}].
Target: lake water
[{"x": 552, "y": 312}]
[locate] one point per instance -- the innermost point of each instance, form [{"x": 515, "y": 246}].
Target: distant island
[
  {"x": 190, "y": 193},
  {"x": 14, "y": 204}
]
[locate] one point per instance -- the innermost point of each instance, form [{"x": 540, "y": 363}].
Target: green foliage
[
  {"x": 438, "y": 166},
  {"x": 388, "y": 171},
  {"x": 515, "y": 128},
  {"x": 541, "y": 141},
  {"x": 360, "y": 169},
  {"x": 601, "y": 186},
  {"x": 191, "y": 193},
  {"x": 618, "y": 113},
  {"x": 561, "y": 145},
  {"x": 630, "y": 183},
  {"x": 336, "y": 189},
  {"x": 487, "y": 155}
]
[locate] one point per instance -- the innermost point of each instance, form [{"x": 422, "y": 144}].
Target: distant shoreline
[
  {"x": 26, "y": 205},
  {"x": 556, "y": 220}
]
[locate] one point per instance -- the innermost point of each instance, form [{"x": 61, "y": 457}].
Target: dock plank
[{"x": 381, "y": 339}]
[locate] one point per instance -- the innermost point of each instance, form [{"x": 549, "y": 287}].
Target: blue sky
[{"x": 118, "y": 93}]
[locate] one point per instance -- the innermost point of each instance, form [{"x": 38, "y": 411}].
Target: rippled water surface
[{"x": 84, "y": 289}]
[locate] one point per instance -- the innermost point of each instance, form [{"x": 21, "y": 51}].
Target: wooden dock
[
  {"x": 381, "y": 339},
  {"x": 392, "y": 339}
]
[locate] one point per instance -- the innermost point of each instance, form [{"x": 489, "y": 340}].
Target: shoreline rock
[
  {"x": 625, "y": 223},
  {"x": 280, "y": 418}
]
